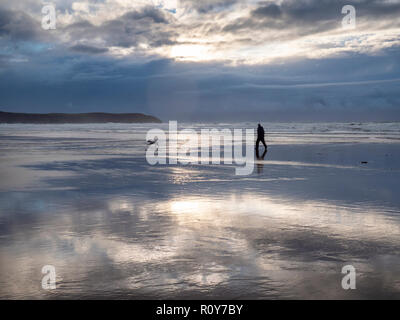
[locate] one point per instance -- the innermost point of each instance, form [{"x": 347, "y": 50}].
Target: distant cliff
[{"x": 60, "y": 118}]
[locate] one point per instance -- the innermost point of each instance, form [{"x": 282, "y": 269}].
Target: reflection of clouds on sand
[
  {"x": 209, "y": 275},
  {"x": 208, "y": 243},
  {"x": 348, "y": 222},
  {"x": 115, "y": 227}
]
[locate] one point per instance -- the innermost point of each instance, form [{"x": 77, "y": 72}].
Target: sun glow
[
  {"x": 187, "y": 206},
  {"x": 193, "y": 52}
]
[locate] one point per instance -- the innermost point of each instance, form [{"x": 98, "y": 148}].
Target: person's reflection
[{"x": 260, "y": 162}]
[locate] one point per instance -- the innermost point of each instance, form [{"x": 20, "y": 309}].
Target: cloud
[
  {"x": 147, "y": 13},
  {"x": 136, "y": 29},
  {"x": 206, "y": 6},
  {"x": 271, "y": 10},
  {"x": 88, "y": 49},
  {"x": 226, "y": 58},
  {"x": 17, "y": 26},
  {"x": 332, "y": 89},
  {"x": 234, "y": 31},
  {"x": 305, "y": 17}
]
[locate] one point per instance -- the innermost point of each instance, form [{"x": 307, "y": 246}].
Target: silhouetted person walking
[{"x": 260, "y": 137}]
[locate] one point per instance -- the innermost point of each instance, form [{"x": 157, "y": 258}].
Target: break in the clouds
[{"x": 230, "y": 59}]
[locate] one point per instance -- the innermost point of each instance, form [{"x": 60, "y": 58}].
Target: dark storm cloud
[
  {"x": 145, "y": 26},
  {"x": 80, "y": 72},
  {"x": 85, "y": 25},
  {"x": 317, "y": 10},
  {"x": 88, "y": 49},
  {"x": 147, "y": 13},
  {"x": 205, "y": 6},
  {"x": 271, "y": 10},
  {"x": 305, "y": 17},
  {"x": 16, "y": 26},
  {"x": 332, "y": 89}
]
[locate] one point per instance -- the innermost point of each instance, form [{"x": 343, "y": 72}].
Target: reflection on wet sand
[
  {"x": 117, "y": 228},
  {"x": 260, "y": 160},
  {"x": 201, "y": 245}
]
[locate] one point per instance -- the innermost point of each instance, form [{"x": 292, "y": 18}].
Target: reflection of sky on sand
[
  {"x": 186, "y": 246},
  {"x": 116, "y": 228},
  {"x": 198, "y": 244}
]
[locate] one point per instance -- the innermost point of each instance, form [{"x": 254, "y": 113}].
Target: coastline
[{"x": 75, "y": 118}]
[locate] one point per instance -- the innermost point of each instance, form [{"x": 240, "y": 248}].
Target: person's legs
[
  {"x": 257, "y": 143},
  {"x": 265, "y": 145}
]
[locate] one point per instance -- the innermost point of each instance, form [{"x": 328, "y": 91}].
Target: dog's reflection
[{"x": 260, "y": 158}]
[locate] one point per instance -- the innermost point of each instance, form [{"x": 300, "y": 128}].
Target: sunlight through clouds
[
  {"x": 230, "y": 31},
  {"x": 230, "y": 50}
]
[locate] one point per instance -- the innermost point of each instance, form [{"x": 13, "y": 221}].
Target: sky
[{"x": 208, "y": 60}]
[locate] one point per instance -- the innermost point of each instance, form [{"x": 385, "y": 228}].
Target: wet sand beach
[{"x": 83, "y": 199}]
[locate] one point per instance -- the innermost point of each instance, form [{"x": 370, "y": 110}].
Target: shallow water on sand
[{"x": 83, "y": 199}]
